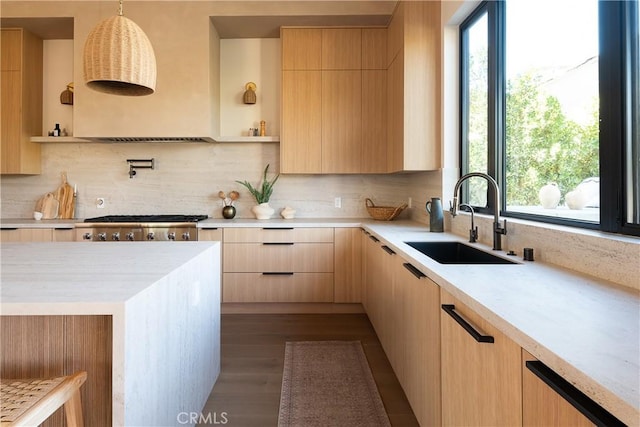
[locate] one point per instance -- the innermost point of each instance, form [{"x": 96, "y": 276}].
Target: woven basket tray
[{"x": 383, "y": 213}]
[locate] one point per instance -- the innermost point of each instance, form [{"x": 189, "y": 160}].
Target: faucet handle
[
  {"x": 473, "y": 235},
  {"x": 501, "y": 229}
]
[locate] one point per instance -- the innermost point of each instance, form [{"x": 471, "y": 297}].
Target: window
[{"x": 550, "y": 110}]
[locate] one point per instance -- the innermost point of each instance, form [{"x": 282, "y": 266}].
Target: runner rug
[{"x": 329, "y": 383}]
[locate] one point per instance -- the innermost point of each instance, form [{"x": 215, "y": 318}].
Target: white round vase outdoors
[
  {"x": 549, "y": 196},
  {"x": 576, "y": 199}
]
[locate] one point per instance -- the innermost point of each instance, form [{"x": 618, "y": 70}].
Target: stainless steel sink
[{"x": 457, "y": 253}]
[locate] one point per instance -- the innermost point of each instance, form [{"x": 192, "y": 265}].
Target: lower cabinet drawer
[
  {"x": 270, "y": 234},
  {"x": 287, "y": 287},
  {"x": 290, "y": 257}
]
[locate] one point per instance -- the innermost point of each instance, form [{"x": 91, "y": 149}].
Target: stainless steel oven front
[{"x": 136, "y": 232}]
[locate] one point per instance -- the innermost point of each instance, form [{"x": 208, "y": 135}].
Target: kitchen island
[{"x": 148, "y": 314}]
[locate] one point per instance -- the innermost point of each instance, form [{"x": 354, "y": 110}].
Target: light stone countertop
[
  {"x": 282, "y": 223},
  {"x": 76, "y": 278},
  {"x": 207, "y": 223},
  {"x": 586, "y": 329},
  {"x": 43, "y": 223}
]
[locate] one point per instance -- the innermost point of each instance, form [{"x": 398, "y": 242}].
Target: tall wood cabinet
[
  {"x": 414, "y": 80},
  {"x": 21, "y": 101},
  {"x": 363, "y": 100},
  {"x": 481, "y": 370},
  {"x": 300, "y": 131},
  {"x": 341, "y": 118},
  {"x": 328, "y": 85},
  {"x": 374, "y": 100}
]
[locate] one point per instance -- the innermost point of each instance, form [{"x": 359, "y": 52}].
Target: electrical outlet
[
  {"x": 410, "y": 203},
  {"x": 338, "y": 202},
  {"x": 100, "y": 202}
]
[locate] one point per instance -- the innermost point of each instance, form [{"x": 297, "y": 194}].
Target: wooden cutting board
[
  {"x": 64, "y": 195},
  {"x": 40, "y": 204},
  {"x": 50, "y": 206}
]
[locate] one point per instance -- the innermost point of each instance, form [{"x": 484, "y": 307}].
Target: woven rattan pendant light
[{"x": 119, "y": 58}]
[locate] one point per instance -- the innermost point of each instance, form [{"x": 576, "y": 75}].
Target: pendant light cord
[{"x": 120, "y": 9}]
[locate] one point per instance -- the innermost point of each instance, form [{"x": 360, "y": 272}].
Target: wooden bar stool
[{"x": 32, "y": 401}]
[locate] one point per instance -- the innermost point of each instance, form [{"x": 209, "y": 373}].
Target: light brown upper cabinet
[
  {"x": 300, "y": 131},
  {"x": 374, "y": 121},
  {"x": 413, "y": 52},
  {"x": 301, "y": 48},
  {"x": 341, "y": 118},
  {"x": 389, "y": 123},
  {"x": 21, "y": 101},
  {"x": 374, "y": 49},
  {"x": 342, "y": 49},
  {"x": 374, "y": 100},
  {"x": 327, "y": 132}
]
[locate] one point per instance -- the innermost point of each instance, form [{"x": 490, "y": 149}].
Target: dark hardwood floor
[{"x": 247, "y": 392}]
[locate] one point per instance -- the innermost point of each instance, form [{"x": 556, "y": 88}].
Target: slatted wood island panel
[{"x": 47, "y": 346}]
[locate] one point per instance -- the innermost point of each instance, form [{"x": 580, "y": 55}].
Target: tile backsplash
[{"x": 187, "y": 178}]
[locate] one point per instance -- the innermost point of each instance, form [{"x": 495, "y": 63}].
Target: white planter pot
[{"x": 262, "y": 211}]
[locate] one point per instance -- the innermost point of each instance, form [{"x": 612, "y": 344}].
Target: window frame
[{"x": 616, "y": 29}]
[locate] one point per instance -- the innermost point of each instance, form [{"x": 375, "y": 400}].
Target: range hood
[
  {"x": 185, "y": 106},
  {"x": 152, "y": 139}
]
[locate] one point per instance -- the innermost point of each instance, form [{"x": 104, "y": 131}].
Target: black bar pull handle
[
  {"x": 209, "y": 228},
  {"x": 388, "y": 250},
  {"x": 8, "y": 228},
  {"x": 277, "y": 273},
  {"x": 583, "y": 403},
  {"x": 279, "y": 243},
  {"x": 374, "y": 238},
  {"x": 277, "y": 228},
  {"x": 419, "y": 274},
  {"x": 450, "y": 309}
]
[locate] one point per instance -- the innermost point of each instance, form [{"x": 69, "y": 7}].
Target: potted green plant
[{"x": 262, "y": 195}]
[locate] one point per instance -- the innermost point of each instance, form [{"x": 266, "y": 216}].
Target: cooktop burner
[{"x": 148, "y": 218}]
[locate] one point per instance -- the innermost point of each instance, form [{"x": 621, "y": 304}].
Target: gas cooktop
[{"x": 147, "y": 218}]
